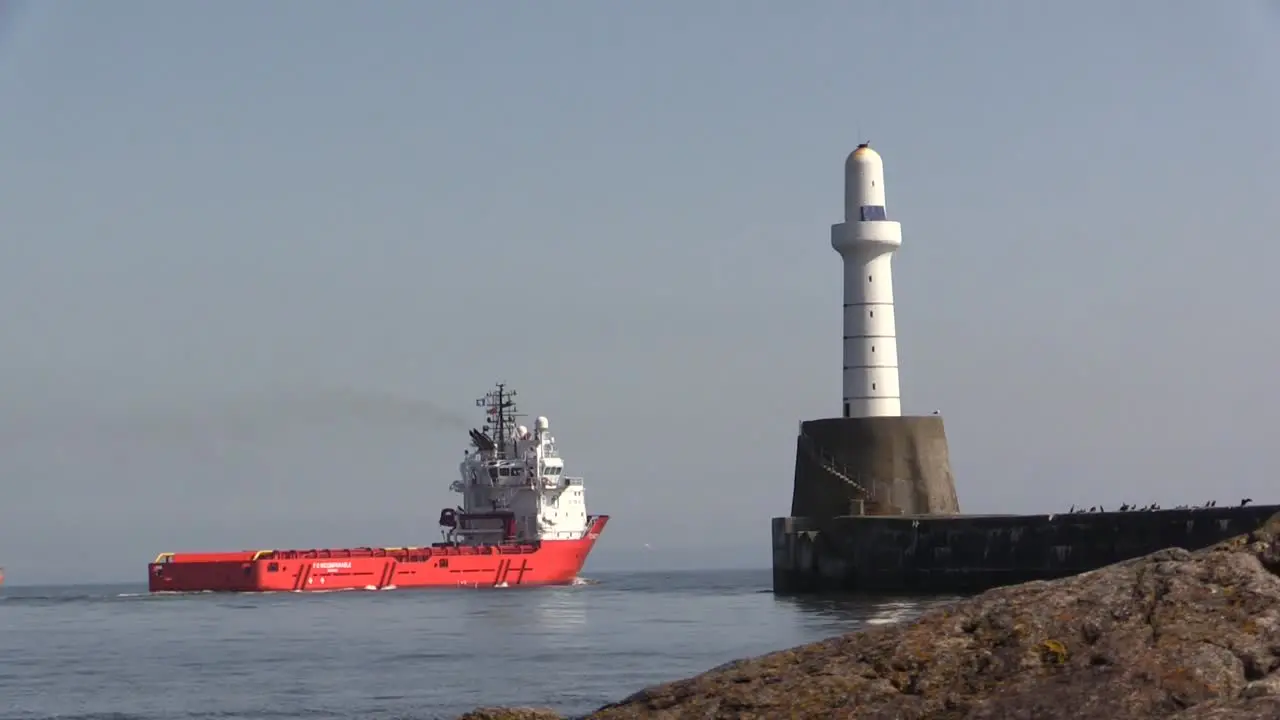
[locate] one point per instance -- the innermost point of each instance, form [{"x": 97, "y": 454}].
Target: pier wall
[
  {"x": 963, "y": 554},
  {"x": 873, "y": 466}
]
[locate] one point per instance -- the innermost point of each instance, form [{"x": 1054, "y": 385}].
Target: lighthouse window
[
  {"x": 868, "y": 278},
  {"x": 873, "y": 386},
  {"x": 873, "y": 348},
  {"x": 873, "y": 212}
]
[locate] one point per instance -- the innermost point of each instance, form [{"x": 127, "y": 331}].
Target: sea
[{"x": 115, "y": 652}]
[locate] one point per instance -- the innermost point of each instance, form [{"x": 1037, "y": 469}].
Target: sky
[{"x": 257, "y": 260}]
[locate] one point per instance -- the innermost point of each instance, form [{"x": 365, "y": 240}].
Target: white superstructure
[
  {"x": 866, "y": 241},
  {"x": 513, "y": 484}
]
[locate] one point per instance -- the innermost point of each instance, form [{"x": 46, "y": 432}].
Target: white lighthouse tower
[{"x": 866, "y": 241}]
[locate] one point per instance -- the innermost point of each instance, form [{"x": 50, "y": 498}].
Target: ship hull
[{"x": 550, "y": 562}]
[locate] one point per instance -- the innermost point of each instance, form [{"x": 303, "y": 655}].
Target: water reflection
[
  {"x": 560, "y": 609},
  {"x": 530, "y": 610},
  {"x": 847, "y": 613}
]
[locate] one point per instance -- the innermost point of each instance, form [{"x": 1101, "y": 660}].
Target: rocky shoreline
[{"x": 1175, "y": 635}]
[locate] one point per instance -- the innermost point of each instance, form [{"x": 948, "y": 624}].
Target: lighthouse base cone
[{"x": 873, "y": 466}]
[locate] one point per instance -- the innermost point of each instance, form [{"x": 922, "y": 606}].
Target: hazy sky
[{"x": 257, "y": 258}]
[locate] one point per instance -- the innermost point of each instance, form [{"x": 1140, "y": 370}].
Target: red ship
[{"x": 522, "y": 521}]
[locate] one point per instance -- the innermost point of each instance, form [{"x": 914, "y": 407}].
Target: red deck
[{"x": 550, "y": 562}]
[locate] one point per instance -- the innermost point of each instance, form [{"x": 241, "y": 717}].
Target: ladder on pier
[{"x": 864, "y": 495}]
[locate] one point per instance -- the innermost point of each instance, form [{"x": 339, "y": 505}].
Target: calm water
[{"x": 114, "y": 652}]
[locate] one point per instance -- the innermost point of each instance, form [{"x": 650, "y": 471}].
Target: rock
[{"x": 1174, "y": 635}]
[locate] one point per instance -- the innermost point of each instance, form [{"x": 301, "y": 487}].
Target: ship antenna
[
  {"x": 500, "y": 440},
  {"x": 501, "y": 407}
]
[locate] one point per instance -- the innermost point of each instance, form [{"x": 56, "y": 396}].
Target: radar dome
[
  {"x": 522, "y": 431},
  {"x": 542, "y": 422}
]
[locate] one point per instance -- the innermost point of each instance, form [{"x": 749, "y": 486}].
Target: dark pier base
[
  {"x": 965, "y": 554},
  {"x": 873, "y": 466}
]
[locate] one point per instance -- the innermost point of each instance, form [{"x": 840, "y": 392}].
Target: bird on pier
[{"x": 1245, "y": 501}]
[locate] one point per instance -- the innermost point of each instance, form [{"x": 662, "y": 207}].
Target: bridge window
[{"x": 873, "y": 212}]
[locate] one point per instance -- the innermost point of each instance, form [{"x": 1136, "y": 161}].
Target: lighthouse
[
  {"x": 866, "y": 241},
  {"x": 870, "y": 459}
]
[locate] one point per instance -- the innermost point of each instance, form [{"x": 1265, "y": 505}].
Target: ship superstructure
[{"x": 513, "y": 483}]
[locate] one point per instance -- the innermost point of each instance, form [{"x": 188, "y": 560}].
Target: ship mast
[{"x": 500, "y": 407}]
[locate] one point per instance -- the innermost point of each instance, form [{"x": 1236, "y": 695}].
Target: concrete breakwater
[
  {"x": 874, "y": 508},
  {"x": 972, "y": 553}
]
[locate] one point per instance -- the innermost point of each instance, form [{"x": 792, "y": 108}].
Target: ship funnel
[{"x": 480, "y": 440}]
